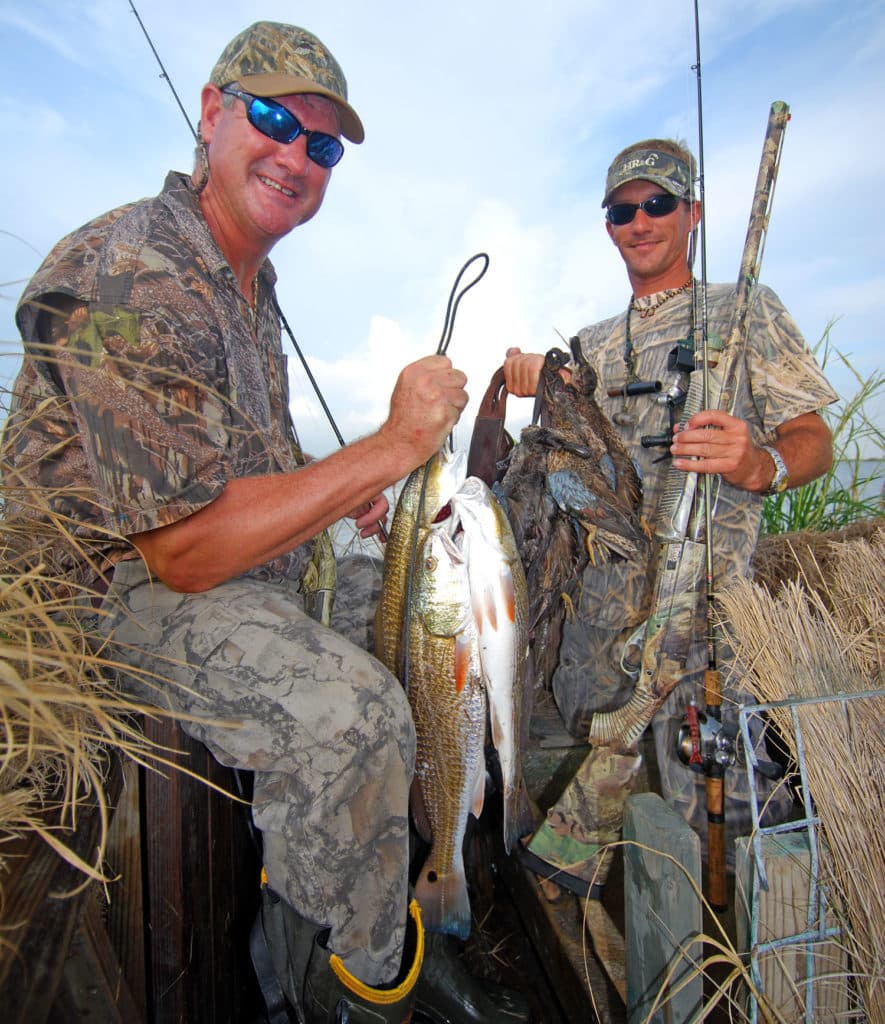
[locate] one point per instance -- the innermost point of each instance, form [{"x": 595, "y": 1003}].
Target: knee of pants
[{"x": 400, "y": 725}]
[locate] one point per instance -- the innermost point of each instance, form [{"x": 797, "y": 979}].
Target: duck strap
[{"x": 490, "y": 443}]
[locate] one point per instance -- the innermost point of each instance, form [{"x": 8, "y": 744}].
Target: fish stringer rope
[{"x": 455, "y": 296}]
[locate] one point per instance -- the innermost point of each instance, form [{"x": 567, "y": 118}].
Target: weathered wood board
[{"x": 663, "y": 913}]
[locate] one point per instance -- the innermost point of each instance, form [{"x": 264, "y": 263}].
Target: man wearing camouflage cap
[
  {"x": 153, "y": 410},
  {"x": 775, "y": 439}
]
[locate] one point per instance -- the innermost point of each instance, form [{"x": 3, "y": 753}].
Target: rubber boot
[
  {"x": 281, "y": 943},
  {"x": 448, "y": 994},
  {"x": 570, "y": 846},
  {"x": 332, "y": 995},
  {"x": 317, "y": 985}
]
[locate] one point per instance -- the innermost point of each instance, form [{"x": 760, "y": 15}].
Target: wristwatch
[{"x": 781, "y": 479}]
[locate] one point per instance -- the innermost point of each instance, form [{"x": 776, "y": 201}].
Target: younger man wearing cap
[
  {"x": 152, "y": 409},
  {"x": 774, "y": 439}
]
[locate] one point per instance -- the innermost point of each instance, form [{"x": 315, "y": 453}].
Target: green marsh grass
[{"x": 852, "y": 488}]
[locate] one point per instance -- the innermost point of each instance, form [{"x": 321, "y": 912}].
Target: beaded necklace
[{"x": 646, "y": 306}]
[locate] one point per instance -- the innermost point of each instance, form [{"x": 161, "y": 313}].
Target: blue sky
[{"x": 489, "y": 127}]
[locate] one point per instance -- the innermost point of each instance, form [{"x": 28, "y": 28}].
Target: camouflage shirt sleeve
[{"x": 785, "y": 379}]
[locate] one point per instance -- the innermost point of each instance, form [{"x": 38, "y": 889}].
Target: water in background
[{"x": 870, "y": 470}]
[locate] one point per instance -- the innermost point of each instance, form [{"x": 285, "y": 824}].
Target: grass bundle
[
  {"x": 60, "y": 710},
  {"x": 804, "y": 643}
]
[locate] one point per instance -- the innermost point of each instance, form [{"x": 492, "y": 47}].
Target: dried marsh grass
[
  {"x": 59, "y": 714},
  {"x": 828, "y": 642},
  {"x": 60, "y": 711}
]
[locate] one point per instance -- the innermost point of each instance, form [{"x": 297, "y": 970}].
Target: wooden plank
[
  {"x": 202, "y": 883},
  {"x": 783, "y": 911},
  {"x": 39, "y": 915},
  {"x": 579, "y": 942},
  {"x": 93, "y": 986},
  {"x": 124, "y": 918},
  {"x": 662, "y": 911},
  {"x": 563, "y": 948},
  {"x": 608, "y": 944}
]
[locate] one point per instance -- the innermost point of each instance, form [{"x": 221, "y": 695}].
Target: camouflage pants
[
  {"x": 324, "y": 726},
  {"x": 590, "y": 678}
]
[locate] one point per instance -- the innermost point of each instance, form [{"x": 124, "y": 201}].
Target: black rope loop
[{"x": 454, "y": 299}]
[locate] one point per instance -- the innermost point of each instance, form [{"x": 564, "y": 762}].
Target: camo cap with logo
[
  {"x": 272, "y": 59},
  {"x": 654, "y": 165}
]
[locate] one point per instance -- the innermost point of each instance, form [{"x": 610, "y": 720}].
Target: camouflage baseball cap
[
  {"x": 272, "y": 59},
  {"x": 655, "y": 165}
]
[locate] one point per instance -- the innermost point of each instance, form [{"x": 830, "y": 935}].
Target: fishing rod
[
  {"x": 684, "y": 573},
  {"x": 713, "y": 767},
  {"x": 709, "y": 746},
  {"x": 163, "y": 72}
]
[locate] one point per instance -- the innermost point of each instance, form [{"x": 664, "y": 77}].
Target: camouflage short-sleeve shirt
[
  {"x": 169, "y": 383},
  {"x": 777, "y": 381}
]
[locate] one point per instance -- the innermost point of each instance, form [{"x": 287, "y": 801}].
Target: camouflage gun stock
[{"x": 679, "y": 527}]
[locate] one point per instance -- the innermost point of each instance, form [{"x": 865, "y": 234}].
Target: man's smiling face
[
  {"x": 654, "y": 249},
  {"x": 260, "y": 189}
]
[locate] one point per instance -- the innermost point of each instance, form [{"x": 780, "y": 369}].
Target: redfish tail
[{"x": 445, "y": 905}]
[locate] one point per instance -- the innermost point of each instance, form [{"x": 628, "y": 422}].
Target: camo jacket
[
  {"x": 778, "y": 379},
  {"x": 169, "y": 384}
]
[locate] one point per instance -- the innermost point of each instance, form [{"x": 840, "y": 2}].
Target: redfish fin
[
  {"x": 519, "y": 817},
  {"x": 445, "y": 906},
  {"x": 479, "y": 794}
]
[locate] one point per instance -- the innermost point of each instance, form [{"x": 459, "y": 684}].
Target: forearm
[
  {"x": 255, "y": 519},
  {"x": 806, "y": 446}
]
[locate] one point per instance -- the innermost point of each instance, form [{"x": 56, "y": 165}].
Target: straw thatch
[
  {"x": 808, "y": 557},
  {"x": 822, "y": 635}
]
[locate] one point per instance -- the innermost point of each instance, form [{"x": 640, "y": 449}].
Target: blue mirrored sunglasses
[
  {"x": 655, "y": 206},
  {"x": 276, "y": 122}
]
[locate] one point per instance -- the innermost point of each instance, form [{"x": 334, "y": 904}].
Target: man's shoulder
[
  {"x": 115, "y": 246},
  {"x": 601, "y": 329},
  {"x": 720, "y": 294}
]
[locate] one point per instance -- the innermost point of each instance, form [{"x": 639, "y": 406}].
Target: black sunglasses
[
  {"x": 276, "y": 122},
  {"x": 655, "y": 206}
]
